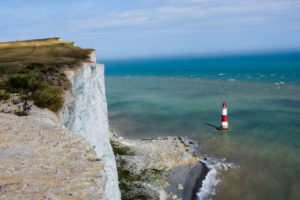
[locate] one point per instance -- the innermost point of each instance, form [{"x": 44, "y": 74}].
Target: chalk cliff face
[{"x": 85, "y": 112}]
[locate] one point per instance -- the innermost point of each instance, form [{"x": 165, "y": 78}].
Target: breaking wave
[{"x": 211, "y": 180}]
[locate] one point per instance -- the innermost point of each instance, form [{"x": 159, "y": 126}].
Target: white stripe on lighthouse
[
  {"x": 224, "y": 124},
  {"x": 224, "y": 111}
]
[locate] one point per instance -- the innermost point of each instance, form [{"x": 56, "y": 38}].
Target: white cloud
[{"x": 194, "y": 15}]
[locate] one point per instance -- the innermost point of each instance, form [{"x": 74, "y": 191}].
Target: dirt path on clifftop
[{"x": 41, "y": 159}]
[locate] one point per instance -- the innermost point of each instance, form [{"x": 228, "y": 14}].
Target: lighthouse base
[{"x": 221, "y": 128}]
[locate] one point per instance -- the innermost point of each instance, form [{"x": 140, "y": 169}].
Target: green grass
[
  {"x": 128, "y": 191},
  {"x": 125, "y": 175},
  {"x": 120, "y": 149},
  {"x": 4, "y": 95},
  {"x": 131, "y": 184},
  {"x": 21, "y": 113},
  {"x": 38, "y": 66},
  {"x": 43, "y": 94},
  {"x": 16, "y": 84},
  {"x": 153, "y": 171},
  {"x": 48, "y": 97}
]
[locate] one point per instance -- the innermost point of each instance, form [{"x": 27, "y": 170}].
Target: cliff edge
[
  {"x": 43, "y": 147},
  {"x": 85, "y": 112}
]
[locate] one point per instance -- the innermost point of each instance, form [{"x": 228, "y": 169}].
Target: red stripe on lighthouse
[{"x": 224, "y": 123}]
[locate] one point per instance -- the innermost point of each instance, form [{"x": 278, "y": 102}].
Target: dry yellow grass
[
  {"x": 52, "y": 54},
  {"x": 46, "y": 51},
  {"x": 42, "y": 61},
  {"x": 38, "y": 42}
]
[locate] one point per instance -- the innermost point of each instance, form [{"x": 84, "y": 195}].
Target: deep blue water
[
  {"x": 276, "y": 67},
  {"x": 183, "y": 96}
]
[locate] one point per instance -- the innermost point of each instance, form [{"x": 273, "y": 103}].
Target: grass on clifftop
[
  {"x": 43, "y": 94},
  {"x": 35, "y": 68}
]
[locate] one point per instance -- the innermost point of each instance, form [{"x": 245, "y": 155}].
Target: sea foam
[{"x": 211, "y": 180}]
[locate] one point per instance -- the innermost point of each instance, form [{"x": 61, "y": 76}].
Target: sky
[{"x": 145, "y": 28}]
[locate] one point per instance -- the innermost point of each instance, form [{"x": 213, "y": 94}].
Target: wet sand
[{"x": 190, "y": 177}]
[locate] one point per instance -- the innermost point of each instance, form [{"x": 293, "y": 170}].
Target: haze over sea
[{"x": 183, "y": 96}]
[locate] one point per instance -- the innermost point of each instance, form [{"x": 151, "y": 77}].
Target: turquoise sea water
[{"x": 183, "y": 96}]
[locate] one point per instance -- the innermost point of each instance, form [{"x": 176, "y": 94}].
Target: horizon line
[{"x": 205, "y": 55}]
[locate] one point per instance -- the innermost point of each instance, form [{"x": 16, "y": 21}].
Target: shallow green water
[{"x": 264, "y": 121}]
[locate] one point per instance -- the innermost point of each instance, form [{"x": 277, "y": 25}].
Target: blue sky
[{"x": 135, "y": 28}]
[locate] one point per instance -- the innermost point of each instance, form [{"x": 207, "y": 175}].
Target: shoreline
[
  {"x": 199, "y": 181},
  {"x": 165, "y": 166},
  {"x": 191, "y": 178}
]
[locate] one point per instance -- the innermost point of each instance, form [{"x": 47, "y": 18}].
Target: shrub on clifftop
[
  {"x": 35, "y": 69},
  {"x": 43, "y": 94},
  {"x": 48, "y": 97},
  {"x": 4, "y": 95},
  {"x": 16, "y": 84}
]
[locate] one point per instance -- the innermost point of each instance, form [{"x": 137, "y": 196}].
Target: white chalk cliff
[{"x": 85, "y": 112}]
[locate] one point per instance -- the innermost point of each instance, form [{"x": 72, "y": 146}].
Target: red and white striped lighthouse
[{"x": 224, "y": 123}]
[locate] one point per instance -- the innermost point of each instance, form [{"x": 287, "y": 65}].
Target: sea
[{"x": 258, "y": 158}]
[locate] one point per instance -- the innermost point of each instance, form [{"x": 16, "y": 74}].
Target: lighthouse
[{"x": 224, "y": 123}]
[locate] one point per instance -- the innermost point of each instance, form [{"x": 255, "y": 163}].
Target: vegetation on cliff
[
  {"x": 34, "y": 69},
  {"x": 129, "y": 183},
  {"x": 155, "y": 168}
]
